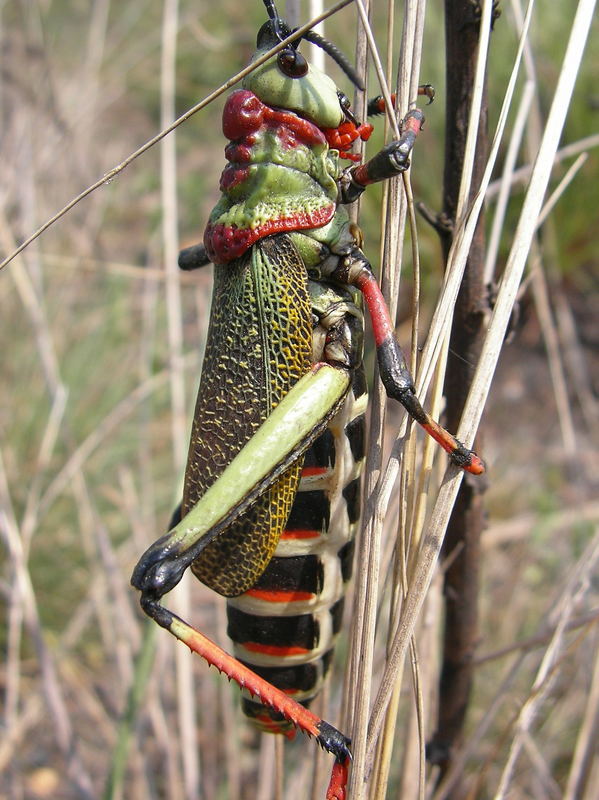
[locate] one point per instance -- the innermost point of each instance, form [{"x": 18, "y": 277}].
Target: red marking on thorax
[
  {"x": 244, "y": 114},
  {"x": 232, "y": 176},
  {"x": 224, "y": 243},
  {"x": 293, "y": 130},
  {"x": 240, "y": 153},
  {"x": 287, "y": 137}
]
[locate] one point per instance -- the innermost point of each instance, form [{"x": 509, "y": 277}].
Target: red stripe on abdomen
[
  {"x": 308, "y": 472},
  {"x": 274, "y": 650},
  {"x": 279, "y": 596},
  {"x": 302, "y": 533}
]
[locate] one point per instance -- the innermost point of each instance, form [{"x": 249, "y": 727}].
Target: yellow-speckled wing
[{"x": 259, "y": 345}]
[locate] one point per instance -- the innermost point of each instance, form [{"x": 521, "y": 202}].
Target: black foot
[
  {"x": 463, "y": 456},
  {"x": 333, "y": 741}
]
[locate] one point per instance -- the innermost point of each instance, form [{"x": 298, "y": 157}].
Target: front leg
[
  {"x": 376, "y": 105},
  {"x": 354, "y": 269},
  {"x": 392, "y": 160}
]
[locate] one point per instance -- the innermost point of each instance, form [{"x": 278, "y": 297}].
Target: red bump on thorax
[
  {"x": 232, "y": 176},
  {"x": 243, "y": 113},
  {"x": 293, "y": 130}
]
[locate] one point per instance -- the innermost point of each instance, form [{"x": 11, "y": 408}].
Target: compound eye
[{"x": 292, "y": 63}]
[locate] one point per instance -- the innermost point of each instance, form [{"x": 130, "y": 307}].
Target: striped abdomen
[{"x": 285, "y": 626}]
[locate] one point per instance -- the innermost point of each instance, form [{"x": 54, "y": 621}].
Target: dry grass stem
[{"x": 577, "y": 586}]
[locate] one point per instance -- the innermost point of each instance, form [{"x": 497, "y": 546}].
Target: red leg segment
[
  {"x": 304, "y": 720},
  {"x": 397, "y": 379},
  {"x": 355, "y": 270}
]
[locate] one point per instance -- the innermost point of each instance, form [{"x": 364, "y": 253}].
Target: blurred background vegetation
[{"x": 88, "y": 467}]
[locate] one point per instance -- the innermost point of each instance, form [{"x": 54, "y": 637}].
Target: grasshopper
[{"x": 272, "y": 487}]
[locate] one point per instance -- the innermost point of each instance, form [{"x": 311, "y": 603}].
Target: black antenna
[
  {"x": 335, "y": 53},
  {"x": 282, "y": 30},
  {"x": 276, "y": 20},
  {"x": 271, "y": 9}
]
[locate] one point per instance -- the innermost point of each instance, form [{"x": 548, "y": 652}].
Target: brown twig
[{"x": 466, "y": 524}]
